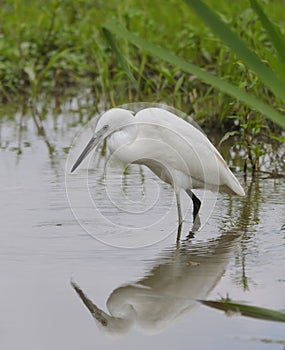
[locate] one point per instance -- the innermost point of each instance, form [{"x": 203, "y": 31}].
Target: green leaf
[
  {"x": 119, "y": 56},
  {"x": 207, "y": 77},
  {"x": 272, "y": 32},
  {"x": 227, "y": 136},
  {"x": 233, "y": 41},
  {"x": 50, "y": 64},
  {"x": 178, "y": 84},
  {"x": 246, "y": 310},
  {"x": 278, "y": 138}
]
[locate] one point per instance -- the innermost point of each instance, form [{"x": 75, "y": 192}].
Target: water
[{"x": 124, "y": 259}]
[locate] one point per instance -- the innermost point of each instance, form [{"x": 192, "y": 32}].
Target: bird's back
[{"x": 185, "y": 151}]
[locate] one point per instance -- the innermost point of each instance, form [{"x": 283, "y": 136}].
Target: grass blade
[
  {"x": 207, "y": 77},
  {"x": 246, "y": 310},
  {"x": 233, "y": 41},
  {"x": 272, "y": 32},
  {"x": 109, "y": 37},
  {"x": 42, "y": 74}
]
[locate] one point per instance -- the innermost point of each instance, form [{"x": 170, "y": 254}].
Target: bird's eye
[{"x": 105, "y": 127}]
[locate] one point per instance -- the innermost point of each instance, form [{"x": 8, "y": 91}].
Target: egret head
[{"x": 108, "y": 123}]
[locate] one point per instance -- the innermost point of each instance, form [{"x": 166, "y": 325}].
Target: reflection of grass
[{"x": 232, "y": 308}]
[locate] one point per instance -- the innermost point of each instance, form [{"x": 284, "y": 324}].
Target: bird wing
[{"x": 184, "y": 150}]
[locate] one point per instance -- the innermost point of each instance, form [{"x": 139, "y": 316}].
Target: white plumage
[{"x": 173, "y": 149}]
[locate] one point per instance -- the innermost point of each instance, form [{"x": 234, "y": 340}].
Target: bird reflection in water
[{"x": 169, "y": 291}]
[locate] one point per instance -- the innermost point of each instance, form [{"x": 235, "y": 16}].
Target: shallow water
[{"x": 118, "y": 246}]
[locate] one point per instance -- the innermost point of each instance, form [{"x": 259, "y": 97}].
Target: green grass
[
  {"x": 52, "y": 46},
  {"x": 47, "y": 45}
]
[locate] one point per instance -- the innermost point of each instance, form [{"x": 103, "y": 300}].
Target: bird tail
[
  {"x": 229, "y": 183},
  {"x": 232, "y": 186}
]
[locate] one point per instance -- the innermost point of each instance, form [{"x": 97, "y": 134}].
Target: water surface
[{"x": 129, "y": 261}]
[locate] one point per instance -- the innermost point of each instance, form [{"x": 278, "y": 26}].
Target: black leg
[
  {"x": 196, "y": 203},
  {"x": 180, "y": 220}
]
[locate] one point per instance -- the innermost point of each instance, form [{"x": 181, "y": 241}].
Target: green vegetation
[
  {"x": 233, "y": 308},
  {"x": 52, "y": 46}
]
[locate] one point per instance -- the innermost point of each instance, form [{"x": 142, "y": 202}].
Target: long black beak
[{"x": 91, "y": 144}]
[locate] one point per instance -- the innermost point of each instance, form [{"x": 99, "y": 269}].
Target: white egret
[{"x": 176, "y": 151}]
